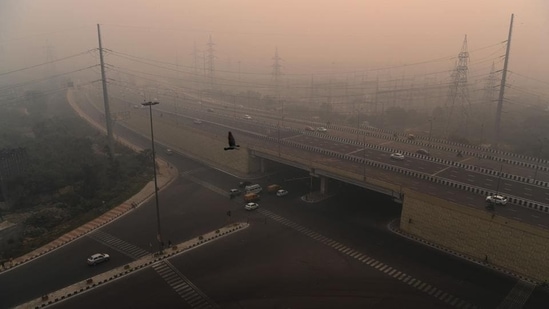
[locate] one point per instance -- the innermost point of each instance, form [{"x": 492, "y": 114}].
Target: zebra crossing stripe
[{"x": 417, "y": 284}]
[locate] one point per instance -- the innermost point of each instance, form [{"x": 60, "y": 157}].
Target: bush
[
  {"x": 33, "y": 232},
  {"x": 47, "y": 218}
]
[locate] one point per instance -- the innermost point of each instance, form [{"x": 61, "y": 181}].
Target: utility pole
[
  {"x": 502, "y": 87},
  {"x": 105, "y": 98},
  {"x": 211, "y": 63}
]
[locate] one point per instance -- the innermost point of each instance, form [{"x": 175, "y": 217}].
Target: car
[
  {"x": 169, "y": 152},
  {"x": 411, "y": 137},
  {"x": 210, "y": 110},
  {"x": 307, "y": 128},
  {"x": 247, "y": 117},
  {"x": 251, "y": 206},
  {"x": 496, "y": 199},
  {"x": 322, "y": 129},
  {"x": 98, "y": 258},
  {"x": 424, "y": 152},
  {"x": 197, "y": 121},
  {"x": 235, "y": 192},
  {"x": 281, "y": 192},
  {"x": 397, "y": 156}
]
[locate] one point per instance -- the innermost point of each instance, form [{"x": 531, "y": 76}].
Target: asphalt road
[
  {"x": 216, "y": 125},
  {"x": 424, "y": 165},
  {"x": 273, "y": 265},
  {"x": 337, "y": 253}
]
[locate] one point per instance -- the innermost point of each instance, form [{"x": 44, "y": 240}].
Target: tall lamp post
[{"x": 158, "y": 232}]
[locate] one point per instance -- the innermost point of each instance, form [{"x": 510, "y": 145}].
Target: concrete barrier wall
[
  {"x": 483, "y": 235},
  {"x": 207, "y": 148}
]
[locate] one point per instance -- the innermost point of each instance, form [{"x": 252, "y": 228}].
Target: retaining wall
[{"x": 506, "y": 243}]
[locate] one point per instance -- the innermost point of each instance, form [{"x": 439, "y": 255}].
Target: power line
[{"x": 45, "y": 63}]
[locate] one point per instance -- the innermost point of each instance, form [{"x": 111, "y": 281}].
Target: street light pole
[{"x": 158, "y": 232}]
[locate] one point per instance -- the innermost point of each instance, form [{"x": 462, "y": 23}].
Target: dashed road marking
[{"x": 372, "y": 262}]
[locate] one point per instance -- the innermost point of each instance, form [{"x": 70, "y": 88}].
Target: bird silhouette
[{"x": 232, "y": 143}]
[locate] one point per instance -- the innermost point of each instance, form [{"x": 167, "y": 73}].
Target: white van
[{"x": 253, "y": 188}]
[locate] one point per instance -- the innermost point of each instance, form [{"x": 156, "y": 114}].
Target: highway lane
[
  {"x": 507, "y": 187},
  {"x": 185, "y": 222},
  {"x": 247, "y": 130},
  {"x": 439, "y": 149},
  {"x": 273, "y": 264}
]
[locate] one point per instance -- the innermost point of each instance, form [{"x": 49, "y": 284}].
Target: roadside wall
[
  {"x": 503, "y": 242},
  {"x": 207, "y": 148}
]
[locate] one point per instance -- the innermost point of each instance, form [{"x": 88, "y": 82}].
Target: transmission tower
[
  {"x": 276, "y": 73},
  {"x": 458, "y": 93},
  {"x": 210, "y": 63},
  {"x": 49, "y": 53}
]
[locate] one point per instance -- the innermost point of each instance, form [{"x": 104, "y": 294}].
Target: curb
[
  {"x": 117, "y": 273},
  {"x": 104, "y": 219}
]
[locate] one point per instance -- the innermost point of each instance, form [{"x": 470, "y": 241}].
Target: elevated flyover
[{"x": 429, "y": 201}]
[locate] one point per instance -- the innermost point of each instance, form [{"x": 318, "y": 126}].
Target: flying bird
[{"x": 232, "y": 143}]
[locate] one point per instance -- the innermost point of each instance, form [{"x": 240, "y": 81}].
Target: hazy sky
[{"x": 311, "y": 35}]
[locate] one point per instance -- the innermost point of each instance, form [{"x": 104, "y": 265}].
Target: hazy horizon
[{"x": 312, "y": 37}]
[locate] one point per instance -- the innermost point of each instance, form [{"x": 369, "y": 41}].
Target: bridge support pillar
[{"x": 323, "y": 184}]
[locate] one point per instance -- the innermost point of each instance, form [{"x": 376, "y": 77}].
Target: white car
[
  {"x": 281, "y": 192},
  {"x": 322, "y": 129},
  {"x": 169, "y": 151},
  {"x": 397, "y": 156},
  {"x": 234, "y": 192},
  {"x": 98, "y": 258},
  {"x": 247, "y": 117},
  {"x": 496, "y": 199},
  {"x": 251, "y": 206},
  {"x": 197, "y": 121}
]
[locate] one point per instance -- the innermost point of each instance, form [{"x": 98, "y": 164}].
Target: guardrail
[
  {"x": 473, "y": 168},
  {"x": 482, "y": 150}
]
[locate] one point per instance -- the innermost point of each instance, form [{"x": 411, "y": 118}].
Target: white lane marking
[
  {"x": 393, "y": 272},
  {"x": 442, "y": 170}
]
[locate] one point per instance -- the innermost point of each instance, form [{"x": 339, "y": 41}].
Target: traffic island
[{"x": 117, "y": 273}]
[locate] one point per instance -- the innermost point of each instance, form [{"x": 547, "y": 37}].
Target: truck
[
  {"x": 251, "y": 197},
  {"x": 273, "y": 188}
]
